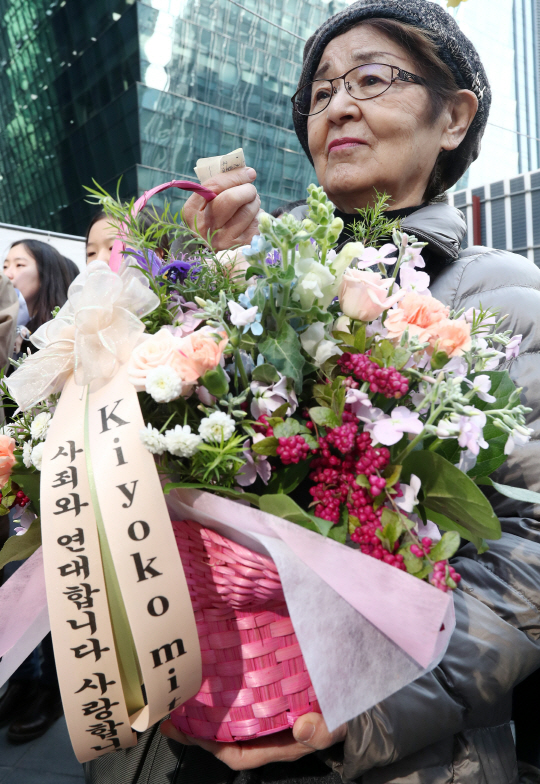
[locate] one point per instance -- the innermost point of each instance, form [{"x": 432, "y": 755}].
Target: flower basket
[
  {"x": 307, "y": 424},
  {"x": 255, "y": 681}
]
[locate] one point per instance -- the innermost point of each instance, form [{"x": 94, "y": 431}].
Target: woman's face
[
  {"x": 100, "y": 241},
  {"x": 393, "y": 145},
  {"x": 22, "y": 270}
]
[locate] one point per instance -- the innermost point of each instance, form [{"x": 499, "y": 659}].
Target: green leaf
[
  {"x": 383, "y": 351},
  {"x": 266, "y": 446},
  {"x": 439, "y": 359},
  {"x": 283, "y": 506},
  {"x": 392, "y": 473},
  {"x": 392, "y": 531},
  {"x": 287, "y": 478},
  {"x": 401, "y": 357},
  {"x": 339, "y": 532},
  {"x": 413, "y": 564},
  {"x": 266, "y": 374},
  {"x": 516, "y": 493},
  {"x": 446, "y": 547},
  {"x": 363, "y": 481},
  {"x": 216, "y": 382},
  {"x": 443, "y": 522},
  {"x": 253, "y": 270},
  {"x": 290, "y": 427},
  {"x": 228, "y": 492},
  {"x": 283, "y": 351},
  {"x": 493, "y": 457},
  {"x": 18, "y": 548},
  {"x": 345, "y": 337},
  {"x": 360, "y": 338},
  {"x": 30, "y": 483},
  {"x": 449, "y": 492},
  {"x": 324, "y": 416},
  {"x": 502, "y": 387},
  {"x": 279, "y": 413}
]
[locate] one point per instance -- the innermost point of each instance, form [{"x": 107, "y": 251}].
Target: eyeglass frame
[{"x": 402, "y": 75}]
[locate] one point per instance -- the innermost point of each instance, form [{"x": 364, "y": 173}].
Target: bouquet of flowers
[{"x": 324, "y": 387}]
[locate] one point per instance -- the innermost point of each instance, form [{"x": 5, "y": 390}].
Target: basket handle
[{"x": 186, "y": 185}]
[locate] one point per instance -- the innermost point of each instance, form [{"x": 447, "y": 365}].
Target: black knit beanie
[{"x": 453, "y": 48}]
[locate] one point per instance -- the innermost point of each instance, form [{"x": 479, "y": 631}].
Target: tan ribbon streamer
[
  {"x": 144, "y": 551},
  {"x": 83, "y": 639},
  {"x": 148, "y": 570}
]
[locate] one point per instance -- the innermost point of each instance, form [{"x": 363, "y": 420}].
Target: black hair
[
  {"x": 279, "y": 211},
  {"x": 56, "y": 273}
]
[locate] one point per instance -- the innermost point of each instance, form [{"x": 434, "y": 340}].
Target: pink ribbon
[{"x": 185, "y": 185}]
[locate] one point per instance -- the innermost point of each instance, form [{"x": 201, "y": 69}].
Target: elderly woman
[{"x": 393, "y": 97}]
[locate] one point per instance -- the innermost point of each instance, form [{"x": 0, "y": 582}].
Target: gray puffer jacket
[{"x": 453, "y": 725}]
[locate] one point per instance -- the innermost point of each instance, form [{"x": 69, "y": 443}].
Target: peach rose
[
  {"x": 7, "y": 458},
  {"x": 417, "y": 313},
  {"x": 197, "y": 353},
  {"x": 156, "y": 350},
  {"x": 453, "y": 337},
  {"x": 363, "y": 295}
]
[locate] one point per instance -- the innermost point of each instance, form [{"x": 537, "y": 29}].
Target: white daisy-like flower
[
  {"x": 27, "y": 454},
  {"x": 152, "y": 440},
  {"x": 216, "y": 427},
  {"x": 7, "y": 430},
  {"x": 163, "y": 384},
  {"x": 37, "y": 455},
  {"x": 181, "y": 441},
  {"x": 40, "y": 425}
]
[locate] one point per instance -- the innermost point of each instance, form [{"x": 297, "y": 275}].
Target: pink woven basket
[{"x": 255, "y": 681}]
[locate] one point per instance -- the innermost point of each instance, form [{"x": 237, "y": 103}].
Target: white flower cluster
[
  {"x": 32, "y": 454},
  {"x": 181, "y": 442}
]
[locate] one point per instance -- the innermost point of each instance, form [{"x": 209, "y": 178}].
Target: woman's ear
[{"x": 460, "y": 115}]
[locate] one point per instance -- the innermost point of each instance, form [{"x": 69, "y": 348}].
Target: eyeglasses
[{"x": 362, "y": 83}]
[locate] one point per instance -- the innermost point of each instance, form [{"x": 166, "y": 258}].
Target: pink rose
[
  {"x": 197, "y": 353},
  {"x": 453, "y": 337},
  {"x": 7, "y": 458},
  {"x": 416, "y": 313},
  {"x": 363, "y": 295},
  {"x": 156, "y": 350}
]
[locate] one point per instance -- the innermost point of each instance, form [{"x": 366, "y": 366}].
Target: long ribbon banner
[{"x": 118, "y": 601}]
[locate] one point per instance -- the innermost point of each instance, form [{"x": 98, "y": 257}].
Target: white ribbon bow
[{"x": 92, "y": 335}]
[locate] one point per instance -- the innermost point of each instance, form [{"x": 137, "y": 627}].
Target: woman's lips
[{"x": 346, "y": 141}]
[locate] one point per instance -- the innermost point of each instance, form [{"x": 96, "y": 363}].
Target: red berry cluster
[
  {"x": 20, "y": 499},
  {"x": 292, "y": 449},
  {"x": 439, "y": 575},
  {"x": 387, "y": 381}
]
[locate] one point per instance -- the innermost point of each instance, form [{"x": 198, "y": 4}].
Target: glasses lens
[
  {"x": 313, "y": 98},
  {"x": 368, "y": 81}
]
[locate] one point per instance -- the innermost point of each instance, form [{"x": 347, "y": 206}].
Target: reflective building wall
[{"x": 140, "y": 89}]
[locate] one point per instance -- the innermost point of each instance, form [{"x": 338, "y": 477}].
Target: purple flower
[
  {"x": 146, "y": 259},
  {"x": 390, "y": 430},
  {"x": 512, "y": 348},
  {"x": 256, "y": 465},
  {"x": 471, "y": 432},
  {"x": 178, "y": 270}
]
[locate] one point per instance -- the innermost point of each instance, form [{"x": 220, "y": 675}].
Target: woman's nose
[
  {"x": 343, "y": 107},
  {"x": 8, "y": 272}
]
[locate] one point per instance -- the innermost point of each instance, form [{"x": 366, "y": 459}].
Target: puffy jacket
[{"x": 452, "y": 726}]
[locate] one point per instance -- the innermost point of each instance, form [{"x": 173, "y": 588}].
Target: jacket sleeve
[
  {"x": 9, "y": 308},
  {"x": 496, "y": 643}
]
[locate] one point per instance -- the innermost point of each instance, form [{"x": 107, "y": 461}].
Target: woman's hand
[
  {"x": 309, "y": 734},
  {"x": 232, "y": 214}
]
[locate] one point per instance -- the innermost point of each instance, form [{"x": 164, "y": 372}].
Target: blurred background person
[{"x": 40, "y": 276}]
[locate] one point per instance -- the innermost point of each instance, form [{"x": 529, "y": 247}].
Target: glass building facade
[
  {"x": 139, "y": 89},
  {"x": 506, "y": 34}
]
